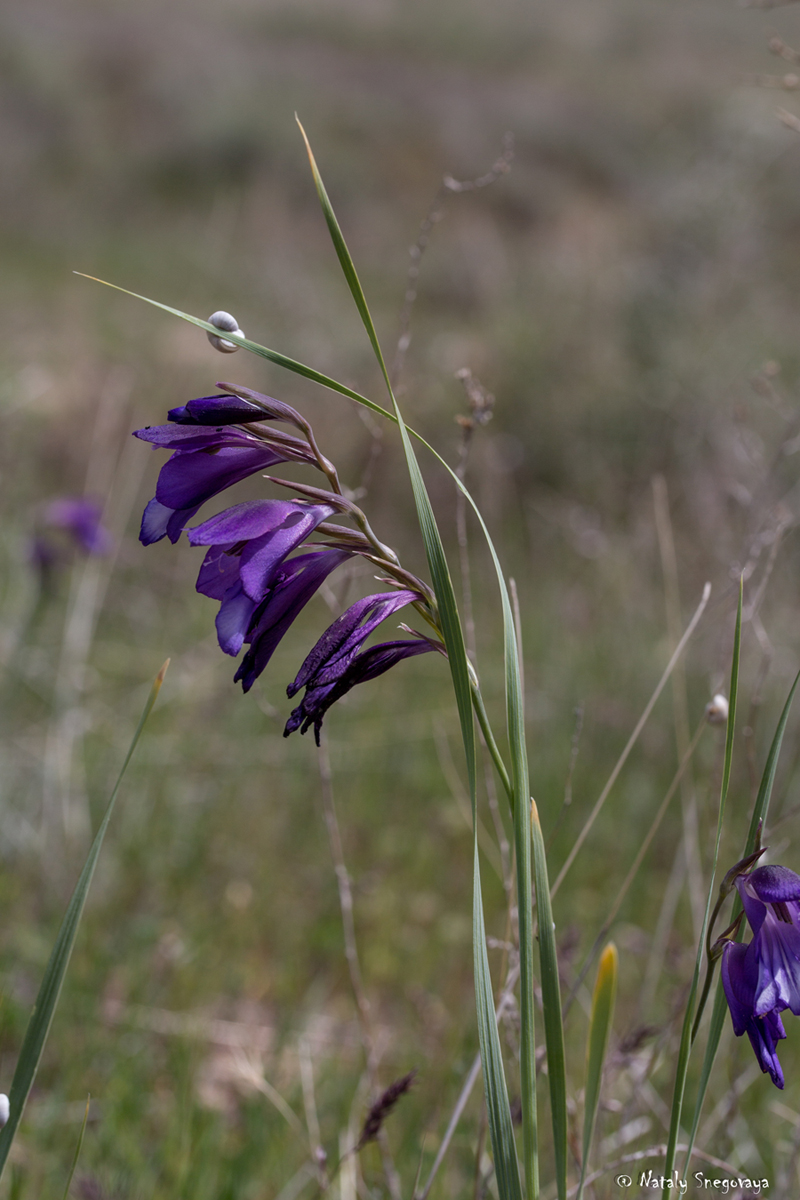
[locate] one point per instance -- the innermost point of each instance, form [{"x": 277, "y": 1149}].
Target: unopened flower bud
[
  {"x": 226, "y": 322},
  {"x": 717, "y": 710},
  {"x": 4, "y": 1108}
]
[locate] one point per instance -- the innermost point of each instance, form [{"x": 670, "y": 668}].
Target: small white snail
[
  {"x": 4, "y": 1108},
  {"x": 226, "y": 322},
  {"x": 717, "y": 710}
]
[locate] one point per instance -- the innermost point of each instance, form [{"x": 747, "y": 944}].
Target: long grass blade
[
  {"x": 603, "y": 1000},
  {"x": 686, "y": 1032},
  {"x": 498, "y": 1109},
  {"x": 78, "y": 1149},
  {"x": 760, "y": 811},
  {"x": 551, "y": 1005},
  {"x": 50, "y": 990},
  {"x": 273, "y": 356}
]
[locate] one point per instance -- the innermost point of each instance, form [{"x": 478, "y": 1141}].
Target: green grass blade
[
  {"x": 686, "y": 1032},
  {"x": 42, "y": 1015},
  {"x": 273, "y": 356},
  {"x": 456, "y": 649},
  {"x": 345, "y": 260},
  {"x": 603, "y": 1000},
  {"x": 78, "y": 1149},
  {"x": 551, "y": 1005},
  {"x": 760, "y": 811},
  {"x": 499, "y": 1113}
]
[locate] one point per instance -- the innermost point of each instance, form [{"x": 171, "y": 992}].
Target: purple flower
[
  {"x": 82, "y": 519},
  {"x": 762, "y": 979},
  {"x": 290, "y": 588},
  {"x": 206, "y": 461},
  {"x": 367, "y": 665},
  {"x": 230, "y": 409},
  {"x": 739, "y": 979},
  {"x": 342, "y": 640},
  {"x": 246, "y": 545}
]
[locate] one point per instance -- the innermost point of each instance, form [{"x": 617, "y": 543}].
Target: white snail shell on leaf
[{"x": 228, "y": 324}]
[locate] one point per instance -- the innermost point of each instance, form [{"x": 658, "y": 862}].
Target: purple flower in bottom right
[{"x": 762, "y": 979}]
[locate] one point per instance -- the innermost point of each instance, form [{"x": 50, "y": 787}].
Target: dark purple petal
[
  {"x": 217, "y": 410},
  {"x": 754, "y": 909},
  {"x": 194, "y": 476},
  {"x": 254, "y": 518},
  {"x": 274, "y": 410},
  {"x": 367, "y": 665},
  {"x": 342, "y": 640},
  {"x": 739, "y": 976},
  {"x": 765, "y": 1033},
  {"x": 290, "y": 589},
  {"x": 219, "y": 572},
  {"x": 269, "y": 529},
  {"x": 772, "y": 884}
]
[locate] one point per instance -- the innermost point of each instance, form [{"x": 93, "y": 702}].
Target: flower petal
[
  {"x": 367, "y": 665},
  {"x": 233, "y": 619},
  {"x": 777, "y": 953},
  {"x": 290, "y": 589},
  {"x": 773, "y": 883},
  {"x": 342, "y": 640},
  {"x": 194, "y": 476}
]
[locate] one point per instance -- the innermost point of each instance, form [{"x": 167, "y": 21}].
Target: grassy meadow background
[{"x": 630, "y": 294}]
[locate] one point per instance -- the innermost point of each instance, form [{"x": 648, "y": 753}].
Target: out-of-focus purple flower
[
  {"x": 82, "y": 518},
  {"x": 341, "y": 641},
  {"x": 206, "y": 460},
  {"x": 246, "y": 544},
  {"x": 762, "y": 979},
  {"x": 290, "y": 588},
  {"x": 367, "y": 665},
  {"x": 739, "y": 980}
]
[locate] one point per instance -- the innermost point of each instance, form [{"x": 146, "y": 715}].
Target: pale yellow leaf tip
[
  {"x": 609, "y": 962},
  {"x": 162, "y": 673}
]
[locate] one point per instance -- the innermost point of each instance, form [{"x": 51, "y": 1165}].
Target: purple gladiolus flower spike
[
  {"x": 206, "y": 461},
  {"x": 367, "y": 665},
  {"x": 247, "y": 544},
  {"x": 289, "y": 590}
]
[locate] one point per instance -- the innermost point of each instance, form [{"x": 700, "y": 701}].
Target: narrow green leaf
[
  {"x": 603, "y": 1000},
  {"x": 551, "y": 1005},
  {"x": 686, "y": 1032},
  {"x": 760, "y": 811},
  {"x": 42, "y": 1015},
  {"x": 78, "y": 1149},
  {"x": 280, "y": 360},
  {"x": 457, "y": 654}
]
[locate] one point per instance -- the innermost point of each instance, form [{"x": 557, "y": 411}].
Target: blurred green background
[{"x": 630, "y": 294}]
